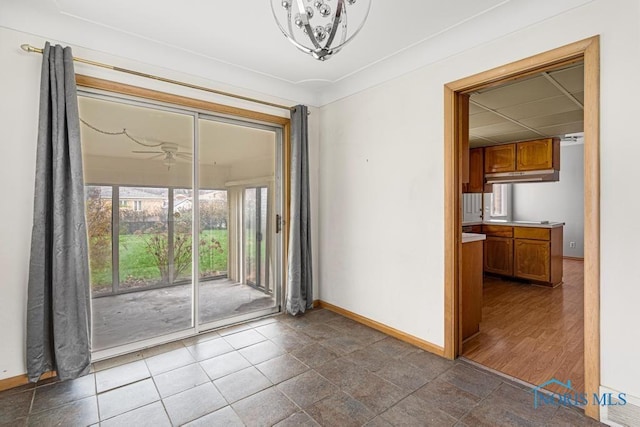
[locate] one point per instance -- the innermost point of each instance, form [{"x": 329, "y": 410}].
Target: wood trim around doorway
[{"x": 587, "y": 50}]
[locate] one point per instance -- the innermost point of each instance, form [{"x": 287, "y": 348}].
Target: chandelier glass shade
[{"x": 319, "y": 27}]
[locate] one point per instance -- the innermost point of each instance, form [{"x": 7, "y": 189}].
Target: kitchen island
[{"x": 530, "y": 251}]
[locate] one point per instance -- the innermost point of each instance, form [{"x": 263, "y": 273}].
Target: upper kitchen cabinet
[
  {"x": 538, "y": 155},
  {"x": 529, "y": 161},
  {"x": 500, "y": 158},
  {"x": 476, "y": 170}
]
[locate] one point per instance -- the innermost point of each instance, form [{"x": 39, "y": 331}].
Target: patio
[{"x": 134, "y": 316}]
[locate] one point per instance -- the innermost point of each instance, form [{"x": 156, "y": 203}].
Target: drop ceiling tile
[
  {"x": 542, "y": 107},
  {"x": 524, "y": 135},
  {"x": 475, "y": 110},
  {"x": 579, "y": 96},
  {"x": 572, "y": 79},
  {"x": 564, "y": 128},
  {"x": 497, "y": 129},
  {"x": 554, "y": 119},
  {"x": 485, "y": 119},
  {"x": 475, "y": 141},
  {"x": 517, "y": 93}
]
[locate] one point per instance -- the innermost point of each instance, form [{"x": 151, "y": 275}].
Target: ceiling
[
  {"x": 221, "y": 144},
  {"x": 239, "y": 44},
  {"x": 245, "y": 33},
  {"x": 548, "y": 104}
]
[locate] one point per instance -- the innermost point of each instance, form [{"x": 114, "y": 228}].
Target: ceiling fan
[{"x": 170, "y": 152}]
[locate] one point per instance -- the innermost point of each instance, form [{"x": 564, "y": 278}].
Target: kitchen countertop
[
  {"x": 472, "y": 237},
  {"x": 539, "y": 224}
]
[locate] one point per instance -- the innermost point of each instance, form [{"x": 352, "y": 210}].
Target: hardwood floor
[{"x": 531, "y": 332}]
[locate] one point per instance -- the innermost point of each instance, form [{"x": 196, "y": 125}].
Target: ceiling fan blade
[
  {"x": 184, "y": 156},
  {"x": 147, "y": 152},
  {"x": 157, "y": 156}
]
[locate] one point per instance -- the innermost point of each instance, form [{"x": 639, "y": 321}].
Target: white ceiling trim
[
  {"x": 512, "y": 16},
  {"x": 44, "y": 19},
  {"x": 424, "y": 40}
]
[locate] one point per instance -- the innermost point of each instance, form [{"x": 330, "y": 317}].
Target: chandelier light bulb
[{"x": 319, "y": 27}]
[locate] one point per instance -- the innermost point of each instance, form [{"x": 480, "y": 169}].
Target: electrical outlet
[{"x": 572, "y": 244}]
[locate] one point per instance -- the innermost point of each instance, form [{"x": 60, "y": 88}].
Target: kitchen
[{"x": 521, "y": 266}]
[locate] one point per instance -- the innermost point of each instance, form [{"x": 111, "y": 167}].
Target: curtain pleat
[
  {"x": 58, "y": 305},
  {"x": 299, "y": 277}
]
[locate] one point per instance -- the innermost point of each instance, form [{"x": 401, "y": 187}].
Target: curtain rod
[{"x": 29, "y": 48}]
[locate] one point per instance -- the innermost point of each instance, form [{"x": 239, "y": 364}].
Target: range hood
[{"x": 545, "y": 175}]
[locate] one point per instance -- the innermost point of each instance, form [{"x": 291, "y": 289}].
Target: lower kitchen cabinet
[
  {"x": 531, "y": 253},
  {"x": 532, "y": 259},
  {"x": 471, "y": 289},
  {"x": 498, "y": 255}
]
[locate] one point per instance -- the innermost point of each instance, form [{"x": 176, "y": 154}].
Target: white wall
[
  {"x": 381, "y": 190},
  {"x": 19, "y": 86},
  {"x": 561, "y": 201}
]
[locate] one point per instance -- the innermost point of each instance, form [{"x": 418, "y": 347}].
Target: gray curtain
[
  {"x": 58, "y": 306},
  {"x": 299, "y": 277}
]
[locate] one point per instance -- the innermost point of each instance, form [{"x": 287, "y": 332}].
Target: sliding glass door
[
  {"x": 256, "y": 246},
  {"x": 242, "y": 158},
  {"x": 139, "y": 173},
  {"x": 181, "y": 209}
]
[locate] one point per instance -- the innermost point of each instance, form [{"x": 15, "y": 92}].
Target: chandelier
[{"x": 319, "y": 27}]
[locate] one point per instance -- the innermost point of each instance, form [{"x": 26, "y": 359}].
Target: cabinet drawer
[
  {"x": 532, "y": 233},
  {"x": 497, "y": 230}
]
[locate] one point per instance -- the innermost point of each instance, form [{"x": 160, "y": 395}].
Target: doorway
[
  {"x": 256, "y": 230},
  {"x": 173, "y": 241},
  {"x": 455, "y": 122}
]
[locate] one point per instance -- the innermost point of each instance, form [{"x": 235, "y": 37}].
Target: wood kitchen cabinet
[
  {"x": 471, "y": 289},
  {"x": 500, "y": 158},
  {"x": 537, "y": 254},
  {"x": 532, "y": 259},
  {"x": 498, "y": 255},
  {"x": 531, "y": 253},
  {"x": 476, "y": 170},
  {"x": 538, "y": 155}
]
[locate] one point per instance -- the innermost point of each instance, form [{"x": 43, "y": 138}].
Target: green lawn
[{"x": 138, "y": 266}]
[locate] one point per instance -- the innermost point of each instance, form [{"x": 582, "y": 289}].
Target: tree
[
  {"x": 213, "y": 214},
  {"x": 98, "y": 216},
  {"x": 157, "y": 244}
]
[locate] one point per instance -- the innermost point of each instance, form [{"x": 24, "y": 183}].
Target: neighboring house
[
  {"x": 139, "y": 199},
  {"x": 149, "y": 202}
]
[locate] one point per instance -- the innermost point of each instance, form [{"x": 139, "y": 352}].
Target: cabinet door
[
  {"x": 476, "y": 170},
  {"x": 471, "y": 288},
  {"x": 532, "y": 259},
  {"x": 500, "y": 158},
  {"x": 535, "y": 155},
  {"x": 498, "y": 255}
]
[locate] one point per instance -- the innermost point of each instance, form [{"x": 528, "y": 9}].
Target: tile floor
[{"x": 318, "y": 369}]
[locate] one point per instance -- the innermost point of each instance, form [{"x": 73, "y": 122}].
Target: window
[
  {"x": 137, "y": 205},
  {"x": 500, "y": 206}
]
